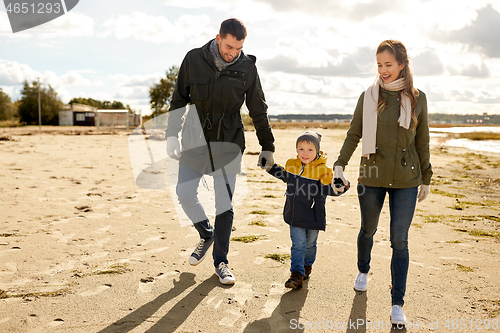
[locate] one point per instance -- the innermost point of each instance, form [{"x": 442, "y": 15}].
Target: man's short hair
[{"x": 233, "y": 27}]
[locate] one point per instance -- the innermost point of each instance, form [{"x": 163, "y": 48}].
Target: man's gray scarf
[{"x": 219, "y": 62}]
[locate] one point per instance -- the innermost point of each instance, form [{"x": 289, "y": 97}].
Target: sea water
[{"x": 492, "y": 146}]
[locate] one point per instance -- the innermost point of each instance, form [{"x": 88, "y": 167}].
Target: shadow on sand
[
  {"x": 358, "y": 314},
  {"x": 357, "y": 319},
  {"x": 175, "y": 316},
  {"x": 285, "y": 316}
]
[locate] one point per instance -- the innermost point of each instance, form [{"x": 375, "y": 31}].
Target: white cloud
[
  {"x": 14, "y": 73},
  {"x": 132, "y": 93},
  {"x": 356, "y": 10},
  {"x": 136, "y": 80},
  {"x": 476, "y": 71},
  {"x": 481, "y": 34},
  {"x": 67, "y": 79},
  {"x": 193, "y": 4},
  {"x": 159, "y": 29},
  {"x": 427, "y": 63}
]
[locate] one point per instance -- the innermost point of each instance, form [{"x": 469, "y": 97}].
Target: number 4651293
[{"x": 39, "y": 8}]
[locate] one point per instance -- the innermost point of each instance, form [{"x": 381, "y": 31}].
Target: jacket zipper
[{"x": 295, "y": 194}]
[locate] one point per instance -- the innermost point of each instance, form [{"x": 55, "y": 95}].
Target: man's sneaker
[
  {"x": 361, "y": 282},
  {"x": 398, "y": 315},
  {"x": 225, "y": 275},
  {"x": 295, "y": 281},
  {"x": 201, "y": 250}
]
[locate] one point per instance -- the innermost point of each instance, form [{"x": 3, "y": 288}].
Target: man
[{"x": 216, "y": 79}]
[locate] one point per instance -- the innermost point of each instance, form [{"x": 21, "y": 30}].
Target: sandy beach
[{"x": 84, "y": 249}]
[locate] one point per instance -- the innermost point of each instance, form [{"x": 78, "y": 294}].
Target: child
[{"x": 308, "y": 183}]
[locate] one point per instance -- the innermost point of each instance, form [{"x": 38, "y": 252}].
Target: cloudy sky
[{"x": 313, "y": 56}]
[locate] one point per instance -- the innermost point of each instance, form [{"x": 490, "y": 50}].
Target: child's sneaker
[
  {"x": 308, "y": 272},
  {"x": 225, "y": 275},
  {"x": 295, "y": 281},
  {"x": 201, "y": 250}
]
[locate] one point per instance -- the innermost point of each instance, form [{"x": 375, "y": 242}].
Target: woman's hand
[
  {"x": 423, "y": 192},
  {"x": 339, "y": 182}
]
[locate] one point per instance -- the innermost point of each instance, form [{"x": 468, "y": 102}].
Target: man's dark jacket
[{"x": 218, "y": 97}]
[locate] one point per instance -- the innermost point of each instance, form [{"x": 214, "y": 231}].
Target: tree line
[{"x": 25, "y": 110}]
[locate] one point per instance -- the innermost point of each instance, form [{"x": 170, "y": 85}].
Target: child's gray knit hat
[{"x": 314, "y": 137}]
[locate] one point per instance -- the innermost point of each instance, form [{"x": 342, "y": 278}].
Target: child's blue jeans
[{"x": 303, "y": 248}]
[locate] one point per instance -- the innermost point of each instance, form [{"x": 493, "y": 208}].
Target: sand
[{"x": 84, "y": 249}]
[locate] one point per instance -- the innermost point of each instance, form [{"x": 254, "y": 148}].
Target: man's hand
[
  {"x": 173, "y": 147},
  {"x": 423, "y": 192},
  {"x": 266, "y": 160},
  {"x": 339, "y": 182}
]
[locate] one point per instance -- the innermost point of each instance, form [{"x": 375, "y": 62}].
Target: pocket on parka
[
  {"x": 199, "y": 87},
  {"x": 407, "y": 171},
  {"x": 233, "y": 129}
]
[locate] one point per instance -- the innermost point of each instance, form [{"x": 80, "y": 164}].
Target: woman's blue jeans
[
  {"x": 402, "y": 203},
  {"x": 303, "y": 252},
  {"x": 187, "y": 192}
]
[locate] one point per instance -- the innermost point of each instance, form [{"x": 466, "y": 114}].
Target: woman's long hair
[{"x": 399, "y": 51}]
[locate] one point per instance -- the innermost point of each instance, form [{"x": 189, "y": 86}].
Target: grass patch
[
  {"x": 469, "y": 167},
  {"x": 433, "y": 218},
  {"x": 9, "y": 235},
  {"x": 258, "y": 223},
  {"x": 491, "y": 217},
  {"x": 259, "y": 212},
  {"x": 270, "y": 196},
  {"x": 495, "y": 307},
  {"x": 60, "y": 292},
  {"x": 478, "y": 136},
  {"x": 454, "y": 241},
  {"x": 486, "y": 203},
  {"x": 282, "y": 258},
  {"x": 247, "y": 239},
  {"x": 261, "y": 181},
  {"x": 440, "y": 182},
  {"x": 11, "y": 123},
  {"x": 114, "y": 269},
  {"x": 447, "y": 194},
  {"x": 481, "y": 233},
  {"x": 469, "y": 218},
  {"x": 459, "y": 206},
  {"x": 464, "y": 268},
  {"x": 491, "y": 203}
]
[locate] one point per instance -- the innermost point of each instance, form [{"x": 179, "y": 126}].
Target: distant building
[
  {"x": 77, "y": 115},
  {"x": 116, "y": 118},
  {"x": 84, "y": 115}
]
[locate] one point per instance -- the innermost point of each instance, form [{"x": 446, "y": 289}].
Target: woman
[{"x": 391, "y": 117}]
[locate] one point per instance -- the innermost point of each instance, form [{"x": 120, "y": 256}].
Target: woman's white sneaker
[
  {"x": 398, "y": 315},
  {"x": 361, "y": 282}
]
